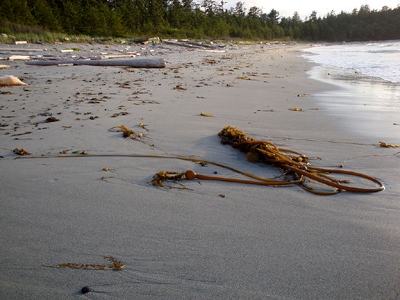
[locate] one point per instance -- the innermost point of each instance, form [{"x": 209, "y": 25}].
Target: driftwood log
[
  {"x": 133, "y": 63},
  {"x": 182, "y": 45},
  {"x": 10, "y": 80},
  {"x": 202, "y": 45},
  {"x": 21, "y": 50}
]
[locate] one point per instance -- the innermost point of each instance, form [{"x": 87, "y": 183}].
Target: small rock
[{"x": 86, "y": 290}]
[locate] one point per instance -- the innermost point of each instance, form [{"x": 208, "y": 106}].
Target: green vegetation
[{"x": 80, "y": 20}]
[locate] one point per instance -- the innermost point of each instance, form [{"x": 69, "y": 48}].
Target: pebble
[{"x": 85, "y": 290}]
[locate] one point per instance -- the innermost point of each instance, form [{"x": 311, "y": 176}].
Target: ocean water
[
  {"x": 365, "y": 99},
  {"x": 374, "y": 59}
]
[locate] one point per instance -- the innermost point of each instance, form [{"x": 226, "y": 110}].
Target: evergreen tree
[
  {"x": 132, "y": 14},
  {"x": 181, "y": 18},
  {"x": 273, "y": 16},
  {"x": 17, "y": 11},
  {"x": 71, "y": 17}
]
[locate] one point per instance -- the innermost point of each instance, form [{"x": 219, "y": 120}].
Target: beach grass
[
  {"x": 51, "y": 38},
  {"x": 12, "y": 32}
]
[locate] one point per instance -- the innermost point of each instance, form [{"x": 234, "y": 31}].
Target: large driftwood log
[
  {"x": 182, "y": 45},
  {"x": 202, "y": 45},
  {"x": 133, "y": 63},
  {"x": 22, "y": 49}
]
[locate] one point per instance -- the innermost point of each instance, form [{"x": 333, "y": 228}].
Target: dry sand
[{"x": 254, "y": 243}]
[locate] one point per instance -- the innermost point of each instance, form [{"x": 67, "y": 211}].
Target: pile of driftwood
[
  {"x": 133, "y": 63},
  {"x": 46, "y": 59},
  {"x": 194, "y": 45},
  {"x": 181, "y": 43}
]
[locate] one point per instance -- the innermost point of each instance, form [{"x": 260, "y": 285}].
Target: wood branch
[
  {"x": 133, "y": 63},
  {"x": 25, "y": 53},
  {"x": 202, "y": 45},
  {"x": 182, "y": 45},
  {"x": 143, "y": 41},
  {"x": 19, "y": 57},
  {"x": 22, "y": 49}
]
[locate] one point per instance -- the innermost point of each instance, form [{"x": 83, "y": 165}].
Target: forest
[{"x": 196, "y": 20}]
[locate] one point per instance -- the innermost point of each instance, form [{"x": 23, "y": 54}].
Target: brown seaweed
[
  {"x": 292, "y": 162},
  {"x": 21, "y": 152},
  {"x": 52, "y": 119},
  {"x": 115, "y": 266}
]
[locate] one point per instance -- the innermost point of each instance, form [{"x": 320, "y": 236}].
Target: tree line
[{"x": 190, "y": 19}]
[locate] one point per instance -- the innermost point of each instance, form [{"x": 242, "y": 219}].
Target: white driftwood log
[
  {"x": 22, "y": 49},
  {"x": 182, "y": 45},
  {"x": 19, "y": 57},
  {"x": 133, "y": 63},
  {"x": 10, "y": 80}
]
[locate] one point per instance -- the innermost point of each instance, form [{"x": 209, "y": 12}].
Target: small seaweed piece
[
  {"x": 205, "y": 115},
  {"x": 115, "y": 266},
  {"x": 21, "y": 152},
  {"x": 178, "y": 87},
  {"x": 18, "y": 134},
  {"x": 163, "y": 176},
  {"x": 125, "y": 131},
  {"x": 143, "y": 126},
  {"x": 108, "y": 170},
  {"x": 124, "y": 113},
  {"x": 133, "y": 135},
  {"x": 244, "y": 78},
  {"x": 382, "y": 144},
  {"x": 52, "y": 119}
]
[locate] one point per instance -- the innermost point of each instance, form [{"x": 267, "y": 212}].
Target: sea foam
[{"x": 374, "y": 59}]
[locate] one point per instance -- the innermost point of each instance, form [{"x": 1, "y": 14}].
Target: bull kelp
[
  {"x": 296, "y": 167},
  {"x": 293, "y": 163}
]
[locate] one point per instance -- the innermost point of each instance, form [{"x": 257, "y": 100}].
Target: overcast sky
[{"x": 286, "y": 8}]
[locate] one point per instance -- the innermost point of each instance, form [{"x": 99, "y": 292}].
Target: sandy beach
[{"x": 213, "y": 240}]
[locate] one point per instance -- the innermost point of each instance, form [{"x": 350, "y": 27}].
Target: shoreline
[
  {"x": 253, "y": 243},
  {"x": 366, "y": 106}
]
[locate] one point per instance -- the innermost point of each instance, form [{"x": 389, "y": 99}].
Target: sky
[{"x": 286, "y": 8}]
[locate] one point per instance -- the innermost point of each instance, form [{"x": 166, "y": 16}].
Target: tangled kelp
[
  {"x": 293, "y": 163},
  {"x": 296, "y": 167}
]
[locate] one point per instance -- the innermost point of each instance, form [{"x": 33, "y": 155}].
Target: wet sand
[{"x": 254, "y": 243}]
